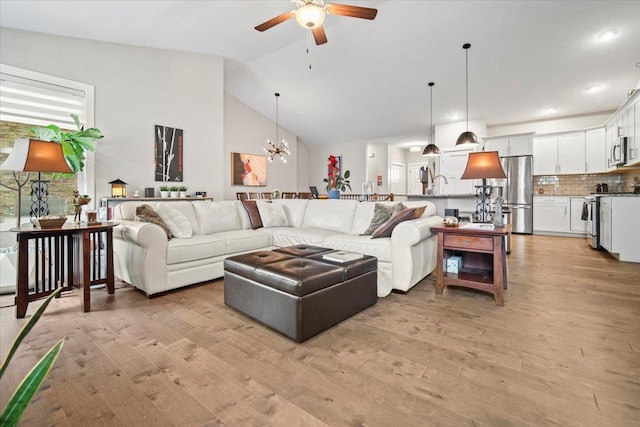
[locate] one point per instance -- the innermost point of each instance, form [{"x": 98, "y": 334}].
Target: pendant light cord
[
  {"x": 277, "y": 121},
  {"x": 466, "y": 47},
  {"x": 431, "y": 112}
]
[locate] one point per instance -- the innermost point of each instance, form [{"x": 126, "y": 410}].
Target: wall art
[
  {"x": 168, "y": 154},
  {"x": 248, "y": 169}
]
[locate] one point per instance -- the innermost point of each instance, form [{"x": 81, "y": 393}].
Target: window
[{"x": 29, "y": 99}]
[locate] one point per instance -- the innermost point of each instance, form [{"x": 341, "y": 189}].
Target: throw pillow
[
  {"x": 381, "y": 214},
  {"x": 272, "y": 214},
  {"x": 215, "y": 217},
  {"x": 419, "y": 212},
  {"x": 254, "y": 215},
  {"x": 176, "y": 221},
  {"x": 145, "y": 213},
  {"x": 385, "y": 229}
]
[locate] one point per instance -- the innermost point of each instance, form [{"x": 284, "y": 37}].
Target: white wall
[
  {"x": 353, "y": 159},
  {"x": 378, "y": 165},
  {"x": 135, "y": 89},
  {"x": 565, "y": 124},
  {"x": 247, "y": 131},
  {"x": 303, "y": 168},
  {"x": 447, "y": 134}
]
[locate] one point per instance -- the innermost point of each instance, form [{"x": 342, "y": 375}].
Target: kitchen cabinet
[
  {"x": 619, "y": 226},
  {"x": 511, "y": 145},
  {"x": 559, "y": 154},
  {"x": 596, "y": 151},
  {"x": 453, "y": 162},
  {"x": 551, "y": 214},
  {"x": 576, "y": 224},
  {"x": 634, "y": 141}
]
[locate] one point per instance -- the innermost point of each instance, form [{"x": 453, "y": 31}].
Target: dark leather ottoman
[{"x": 296, "y": 292}]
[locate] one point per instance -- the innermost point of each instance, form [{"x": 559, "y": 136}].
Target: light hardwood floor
[{"x": 564, "y": 350}]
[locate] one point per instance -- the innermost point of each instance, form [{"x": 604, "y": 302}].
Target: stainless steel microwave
[{"x": 619, "y": 152}]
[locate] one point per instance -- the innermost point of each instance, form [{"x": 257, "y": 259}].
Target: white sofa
[{"x": 145, "y": 259}]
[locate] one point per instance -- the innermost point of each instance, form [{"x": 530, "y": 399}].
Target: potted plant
[
  {"x": 164, "y": 191},
  {"x": 183, "y": 191},
  {"x": 174, "y": 191},
  {"x": 334, "y": 181}
]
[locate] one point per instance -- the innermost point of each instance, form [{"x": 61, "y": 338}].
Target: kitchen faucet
[
  {"x": 432, "y": 190},
  {"x": 440, "y": 176}
]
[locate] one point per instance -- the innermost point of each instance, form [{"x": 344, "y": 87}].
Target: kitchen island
[{"x": 465, "y": 203}]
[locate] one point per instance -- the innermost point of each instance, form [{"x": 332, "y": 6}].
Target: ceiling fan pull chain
[{"x": 308, "y": 32}]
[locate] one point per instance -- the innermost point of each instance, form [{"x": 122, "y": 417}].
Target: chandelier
[{"x": 279, "y": 148}]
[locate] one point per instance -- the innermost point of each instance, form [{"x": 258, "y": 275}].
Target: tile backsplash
[{"x": 582, "y": 185}]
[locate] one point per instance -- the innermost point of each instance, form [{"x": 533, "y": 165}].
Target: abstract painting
[
  {"x": 168, "y": 154},
  {"x": 248, "y": 169}
]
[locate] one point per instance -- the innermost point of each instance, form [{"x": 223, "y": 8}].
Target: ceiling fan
[{"x": 310, "y": 14}]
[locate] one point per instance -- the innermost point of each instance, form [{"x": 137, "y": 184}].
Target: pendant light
[
  {"x": 467, "y": 137},
  {"x": 431, "y": 149},
  {"x": 279, "y": 148}
]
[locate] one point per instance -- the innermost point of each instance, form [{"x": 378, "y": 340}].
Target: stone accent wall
[
  {"x": 60, "y": 190},
  {"x": 582, "y": 185}
]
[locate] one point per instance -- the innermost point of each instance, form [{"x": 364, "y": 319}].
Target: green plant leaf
[
  {"x": 87, "y": 143},
  {"x": 347, "y": 174},
  {"x": 28, "y": 387},
  {"x": 25, "y": 330},
  {"x": 76, "y": 120}
]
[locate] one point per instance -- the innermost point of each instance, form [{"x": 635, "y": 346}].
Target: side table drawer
[{"x": 468, "y": 242}]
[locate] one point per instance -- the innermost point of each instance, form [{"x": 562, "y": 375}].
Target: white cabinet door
[
  {"x": 551, "y": 214},
  {"x": 576, "y": 222},
  {"x": 501, "y": 145},
  {"x": 520, "y": 145},
  {"x": 453, "y": 164},
  {"x": 545, "y": 155},
  {"x": 571, "y": 153},
  {"x": 634, "y": 144},
  {"x": 596, "y": 151},
  {"x": 605, "y": 223}
]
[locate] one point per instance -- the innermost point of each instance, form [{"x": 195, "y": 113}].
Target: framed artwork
[
  {"x": 248, "y": 169},
  {"x": 168, "y": 154},
  {"x": 334, "y": 165}
]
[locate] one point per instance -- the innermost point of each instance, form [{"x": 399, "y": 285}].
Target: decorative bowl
[
  {"x": 450, "y": 221},
  {"x": 55, "y": 222}
]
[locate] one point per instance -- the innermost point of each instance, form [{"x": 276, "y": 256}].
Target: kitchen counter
[
  {"x": 438, "y": 196},
  {"x": 465, "y": 203}
]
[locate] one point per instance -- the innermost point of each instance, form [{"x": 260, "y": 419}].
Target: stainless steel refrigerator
[{"x": 518, "y": 192}]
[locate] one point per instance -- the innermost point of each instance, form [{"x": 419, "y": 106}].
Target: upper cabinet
[
  {"x": 511, "y": 145},
  {"x": 560, "y": 154},
  {"x": 634, "y": 136},
  {"x": 625, "y": 122},
  {"x": 596, "y": 151}
]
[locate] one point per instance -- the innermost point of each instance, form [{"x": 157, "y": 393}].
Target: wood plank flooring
[{"x": 564, "y": 350}]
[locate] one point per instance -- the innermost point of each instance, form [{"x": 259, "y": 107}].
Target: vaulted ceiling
[{"x": 370, "y": 80}]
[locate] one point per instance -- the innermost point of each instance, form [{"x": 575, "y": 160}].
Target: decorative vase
[
  {"x": 164, "y": 194},
  {"x": 334, "y": 194}
]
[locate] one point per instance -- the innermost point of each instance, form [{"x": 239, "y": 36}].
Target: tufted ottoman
[{"x": 296, "y": 292}]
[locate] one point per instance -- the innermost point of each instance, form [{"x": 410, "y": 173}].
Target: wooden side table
[
  {"x": 483, "y": 258},
  {"x": 64, "y": 257}
]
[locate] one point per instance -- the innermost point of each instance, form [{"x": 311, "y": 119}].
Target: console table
[
  {"x": 111, "y": 202},
  {"x": 64, "y": 257},
  {"x": 483, "y": 258}
]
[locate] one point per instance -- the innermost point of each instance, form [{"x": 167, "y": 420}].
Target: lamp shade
[
  {"x": 431, "y": 150},
  {"x": 482, "y": 165},
  {"x": 31, "y": 155},
  {"x": 467, "y": 137},
  {"x": 310, "y": 16}
]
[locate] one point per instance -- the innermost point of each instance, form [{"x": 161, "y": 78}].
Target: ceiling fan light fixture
[{"x": 310, "y": 16}]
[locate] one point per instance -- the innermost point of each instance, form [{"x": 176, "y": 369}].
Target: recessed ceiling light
[
  {"x": 455, "y": 116},
  {"x": 549, "y": 111},
  {"x": 415, "y": 149},
  {"x": 594, "y": 88},
  {"x": 605, "y": 36}
]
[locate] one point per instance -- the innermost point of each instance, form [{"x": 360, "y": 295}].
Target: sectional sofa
[{"x": 148, "y": 261}]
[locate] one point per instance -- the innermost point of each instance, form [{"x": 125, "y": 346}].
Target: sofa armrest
[
  {"x": 408, "y": 233},
  {"x": 143, "y": 234}
]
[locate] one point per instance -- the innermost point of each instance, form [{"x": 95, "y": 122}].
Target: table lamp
[
  {"x": 483, "y": 165},
  {"x": 31, "y": 155}
]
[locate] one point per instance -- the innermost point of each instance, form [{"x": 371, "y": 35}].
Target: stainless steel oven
[{"x": 591, "y": 211}]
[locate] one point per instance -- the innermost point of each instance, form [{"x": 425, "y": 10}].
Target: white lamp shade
[
  {"x": 31, "y": 155},
  {"x": 310, "y": 16}
]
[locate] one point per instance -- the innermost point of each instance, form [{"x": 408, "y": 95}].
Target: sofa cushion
[
  {"x": 214, "y": 217},
  {"x": 272, "y": 214},
  {"x": 334, "y": 215},
  {"x": 245, "y": 240},
  {"x": 295, "y": 209},
  {"x": 386, "y": 229},
  {"x": 254, "y": 215},
  {"x": 380, "y": 248},
  {"x": 289, "y": 236},
  {"x": 197, "y": 247},
  {"x": 176, "y": 221},
  {"x": 146, "y": 213}
]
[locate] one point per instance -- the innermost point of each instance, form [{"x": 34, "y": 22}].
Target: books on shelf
[{"x": 342, "y": 256}]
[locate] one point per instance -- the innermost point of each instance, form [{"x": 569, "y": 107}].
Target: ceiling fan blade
[
  {"x": 353, "y": 11},
  {"x": 319, "y": 35},
  {"x": 275, "y": 21}
]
